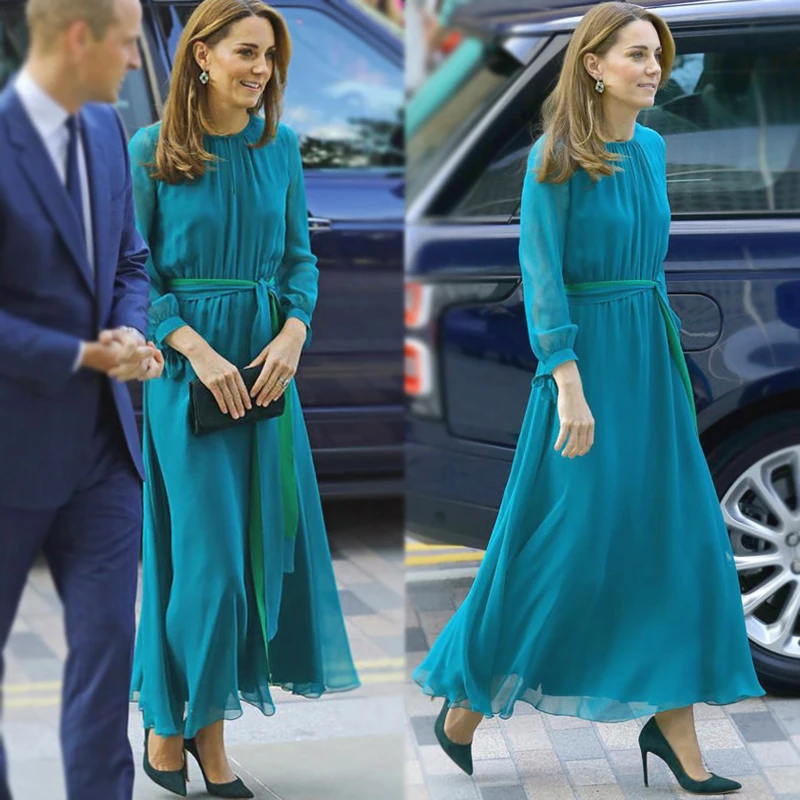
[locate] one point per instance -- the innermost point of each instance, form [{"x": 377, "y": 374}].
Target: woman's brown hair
[
  {"x": 180, "y": 154},
  {"x": 572, "y": 116}
]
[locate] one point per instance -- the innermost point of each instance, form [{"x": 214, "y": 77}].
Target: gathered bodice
[
  {"x": 245, "y": 219},
  {"x": 580, "y": 231}
]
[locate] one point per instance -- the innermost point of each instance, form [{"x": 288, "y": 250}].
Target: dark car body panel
[{"x": 734, "y": 281}]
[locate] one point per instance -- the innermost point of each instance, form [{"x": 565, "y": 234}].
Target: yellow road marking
[
  {"x": 376, "y": 665},
  {"x": 22, "y": 688},
  {"x": 385, "y": 677},
  {"x": 417, "y": 561},
  {"x": 380, "y": 663},
  {"x": 422, "y": 546},
  {"x": 33, "y": 702},
  {"x": 53, "y": 701}
]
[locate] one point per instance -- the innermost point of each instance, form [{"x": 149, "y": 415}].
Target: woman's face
[
  {"x": 240, "y": 65},
  {"x": 631, "y": 69}
]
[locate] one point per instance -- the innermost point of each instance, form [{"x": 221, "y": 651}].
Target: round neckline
[
  {"x": 624, "y": 142},
  {"x": 242, "y": 132}
]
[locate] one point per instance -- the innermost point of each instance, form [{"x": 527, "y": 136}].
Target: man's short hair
[{"x": 54, "y": 16}]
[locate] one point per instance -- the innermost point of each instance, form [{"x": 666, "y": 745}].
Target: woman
[
  {"x": 238, "y": 586},
  {"x": 608, "y": 590}
]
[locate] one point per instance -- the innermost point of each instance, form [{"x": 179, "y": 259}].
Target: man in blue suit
[{"x": 73, "y": 305}]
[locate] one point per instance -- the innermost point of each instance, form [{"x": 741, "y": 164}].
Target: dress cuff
[
  {"x": 166, "y": 327},
  {"x": 556, "y": 359}
]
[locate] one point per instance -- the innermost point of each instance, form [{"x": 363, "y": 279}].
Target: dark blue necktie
[{"x": 74, "y": 174}]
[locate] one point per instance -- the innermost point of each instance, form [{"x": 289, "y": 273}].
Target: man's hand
[
  {"x": 134, "y": 355},
  {"x": 99, "y": 357}
]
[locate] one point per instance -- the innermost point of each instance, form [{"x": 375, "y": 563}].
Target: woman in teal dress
[
  {"x": 238, "y": 587},
  {"x": 608, "y": 590}
]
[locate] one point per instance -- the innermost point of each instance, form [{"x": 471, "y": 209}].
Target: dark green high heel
[
  {"x": 233, "y": 788},
  {"x": 652, "y": 740},
  {"x": 172, "y": 780},
  {"x": 460, "y": 754}
]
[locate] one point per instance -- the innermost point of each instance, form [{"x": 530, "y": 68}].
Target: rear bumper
[
  {"x": 353, "y": 472},
  {"x": 452, "y": 496},
  {"x": 441, "y": 521}
]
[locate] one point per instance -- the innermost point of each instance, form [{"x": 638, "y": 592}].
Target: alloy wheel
[{"x": 762, "y": 513}]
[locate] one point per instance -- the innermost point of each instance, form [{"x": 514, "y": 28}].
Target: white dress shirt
[{"x": 50, "y": 121}]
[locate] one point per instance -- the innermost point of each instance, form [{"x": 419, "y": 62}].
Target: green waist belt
[
  {"x": 600, "y": 291},
  {"x": 266, "y": 326}
]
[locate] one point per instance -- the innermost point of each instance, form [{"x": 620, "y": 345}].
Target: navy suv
[
  {"x": 345, "y": 101},
  {"x": 730, "y": 115}
]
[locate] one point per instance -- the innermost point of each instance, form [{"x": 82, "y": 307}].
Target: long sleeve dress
[
  {"x": 238, "y": 589},
  {"x": 608, "y": 589}
]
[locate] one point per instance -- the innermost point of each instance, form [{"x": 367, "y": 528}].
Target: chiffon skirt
[
  {"x": 608, "y": 589},
  {"x": 231, "y": 604}
]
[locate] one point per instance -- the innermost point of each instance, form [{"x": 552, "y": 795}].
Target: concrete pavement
[
  {"x": 536, "y": 756},
  {"x": 347, "y": 746}
]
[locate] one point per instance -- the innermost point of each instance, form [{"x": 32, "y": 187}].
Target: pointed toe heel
[
  {"x": 235, "y": 788},
  {"x": 652, "y": 740},
  {"x": 460, "y": 754},
  {"x": 172, "y": 780}
]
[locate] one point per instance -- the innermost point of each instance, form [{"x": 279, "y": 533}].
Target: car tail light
[
  {"x": 417, "y": 304},
  {"x": 425, "y": 304},
  {"x": 417, "y": 368}
]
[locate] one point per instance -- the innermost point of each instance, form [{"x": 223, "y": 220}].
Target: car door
[
  {"x": 729, "y": 116},
  {"x": 344, "y": 100}
]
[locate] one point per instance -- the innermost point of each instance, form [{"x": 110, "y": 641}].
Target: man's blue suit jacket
[{"x": 50, "y": 302}]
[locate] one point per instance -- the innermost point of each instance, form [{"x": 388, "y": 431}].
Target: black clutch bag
[{"x": 205, "y": 416}]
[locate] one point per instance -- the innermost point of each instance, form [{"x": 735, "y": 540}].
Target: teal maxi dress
[
  {"x": 608, "y": 590},
  {"x": 238, "y": 590}
]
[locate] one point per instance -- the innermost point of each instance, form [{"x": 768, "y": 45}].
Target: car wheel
[{"x": 756, "y": 472}]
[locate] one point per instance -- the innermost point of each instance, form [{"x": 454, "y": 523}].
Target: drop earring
[
  {"x": 599, "y": 87},
  {"x": 204, "y": 77}
]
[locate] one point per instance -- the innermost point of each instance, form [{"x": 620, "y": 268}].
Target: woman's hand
[
  {"x": 155, "y": 366},
  {"x": 575, "y": 416},
  {"x": 280, "y": 359},
  {"x": 223, "y": 380}
]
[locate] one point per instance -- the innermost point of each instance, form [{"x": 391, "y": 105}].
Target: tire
[{"x": 779, "y": 673}]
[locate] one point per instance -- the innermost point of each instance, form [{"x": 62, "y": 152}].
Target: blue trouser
[{"x": 92, "y": 547}]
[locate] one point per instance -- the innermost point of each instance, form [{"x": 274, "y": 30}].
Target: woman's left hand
[{"x": 280, "y": 359}]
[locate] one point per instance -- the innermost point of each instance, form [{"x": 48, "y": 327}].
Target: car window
[
  {"x": 135, "y": 104},
  {"x": 460, "y": 92},
  {"x": 135, "y": 101},
  {"x": 344, "y": 99},
  {"x": 498, "y": 190},
  {"x": 13, "y": 40},
  {"x": 730, "y": 115}
]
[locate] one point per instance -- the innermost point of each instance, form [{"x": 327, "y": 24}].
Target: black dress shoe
[
  {"x": 172, "y": 780},
  {"x": 233, "y": 788},
  {"x": 460, "y": 754}
]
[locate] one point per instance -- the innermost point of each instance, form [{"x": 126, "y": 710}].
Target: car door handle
[{"x": 319, "y": 224}]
